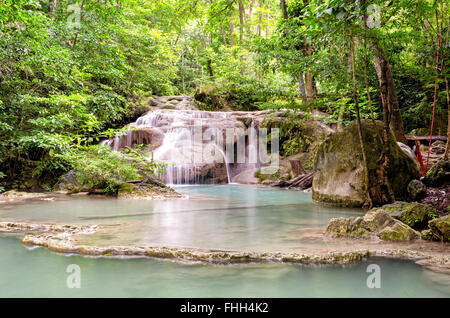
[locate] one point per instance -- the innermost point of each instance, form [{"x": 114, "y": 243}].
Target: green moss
[
  {"x": 415, "y": 215},
  {"x": 427, "y": 235},
  {"x": 441, "y": 228}
]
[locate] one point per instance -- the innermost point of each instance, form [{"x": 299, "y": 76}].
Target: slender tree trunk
[
  {"x": 301, "y": 86},
  {"x": 309, "y": 77},
  {"x": 283, "y": 9},
  {"x": 231, "y": 28},
  {"x": 224, "y": 39},
  {"x": 368, "y": 201},
  {"x": 447, "y": 146},
  {"x": 241, "y": 21},
  {"x": 250, "y": 28},
  {"x": 260, "y": 15},
  {"x": 52, "y": 5}
]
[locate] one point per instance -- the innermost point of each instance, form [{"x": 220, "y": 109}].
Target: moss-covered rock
[
  {"x": 339, "y": 172},
  {"x": 413, "y": 214},
  {"x": 416, "y": 190},
  {"x": 427, "y": 235},
  {"x": 375, "y": 224},
  {"x": 147, "y": 187},
  {"x": 440, "y": 228},
  {"x": 438, "y": 175}
]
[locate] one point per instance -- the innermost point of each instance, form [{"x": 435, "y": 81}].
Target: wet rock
[
  {"x": 438, "y": 175},
  {"x": 440, "y": 228},
  {"x": 413, "y": 214},
  {"x": 416, "y": 190},
  {"x": 338, "y": 168},
  {"x": 148, "y": 187},
  {"x": 69, "y": 183},
  {"x": 15, "y": 196},
  {"x": 438, "y": 198},
  {"x": 376, "y": 224},
  {"x": 246, "y": 177},
  {"x": 144, "y": 136}
]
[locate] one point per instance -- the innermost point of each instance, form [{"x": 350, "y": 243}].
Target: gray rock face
[
  {"x": 246, "y": 177},
  {"x": 339, "y": 173},
  {"x": 376, "y": 224},
  {"x": 416, "y": 190},
  {"x": 70, "y": 183},
  {"x": 152, "y": 138}
]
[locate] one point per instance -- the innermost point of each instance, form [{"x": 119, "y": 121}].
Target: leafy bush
[{"x": 99, "y": 167}]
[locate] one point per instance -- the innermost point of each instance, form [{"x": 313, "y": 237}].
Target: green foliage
[
  {"x": 99, "y": 167},
  {"x": 2, "y": 175},
  {"x": 63, "y": 86}
]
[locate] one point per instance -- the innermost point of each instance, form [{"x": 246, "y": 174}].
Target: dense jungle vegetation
[{"x": 72, "y": 72}]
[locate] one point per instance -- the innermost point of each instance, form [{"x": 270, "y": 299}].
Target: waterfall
[{"x": 172, "y": 135}]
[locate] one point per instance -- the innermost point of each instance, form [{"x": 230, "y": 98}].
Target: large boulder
[
  {"x": 413, "y": 214},
  {"x": 375, "y": 224},
  {"x": 339, "y": 173},
  {"x": 440, "y": 228}
]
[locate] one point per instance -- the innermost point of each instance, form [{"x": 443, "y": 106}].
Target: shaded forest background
[{"x": 73, "y": 72}]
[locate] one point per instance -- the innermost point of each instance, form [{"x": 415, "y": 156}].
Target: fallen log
[{"x": 302, "y": 181}]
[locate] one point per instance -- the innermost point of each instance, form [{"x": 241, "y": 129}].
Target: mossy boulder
[
  {"x": 339, "y": 172},
  {"x": 440, "y": 227},
  {"x": 375, "y": 224},
  {"x": 438, "y": 175},
  {"x": 413, "y": 214},
  {"x": 148, "y": 186},
  {"x": 416, "y": 190}
]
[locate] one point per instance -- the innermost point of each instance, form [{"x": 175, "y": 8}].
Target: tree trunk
[
  {"x": 381, "y": 62},
  {"x": 301, "y": 87},
  {"x": 368, "y": 203},
  {"x": 447, "y": 146},
  {"x": 224, "y": 39},
  {"x": 309, "y": 77},
  {"x": 383, "y": 193},
  {"x": 52, "y": 5},
  {"x": 231, "y": 28},
  {"x": 241, "y": 21},
  {"x": 283, "y": 8}
]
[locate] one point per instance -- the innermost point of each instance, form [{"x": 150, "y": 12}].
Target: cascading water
[{"x": 192, "y": 143}]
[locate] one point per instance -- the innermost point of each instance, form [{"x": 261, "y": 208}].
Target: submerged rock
[
  {"x": 416, "y": 190},
  {"x": 413, "y": 214},
  {"x": 440, "y": 228},
  {"x": 376, "y": 224},
  {"x": 339, "y": 172}
]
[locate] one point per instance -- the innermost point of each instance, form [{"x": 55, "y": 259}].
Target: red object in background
[{"x": 419, "y": 158}]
